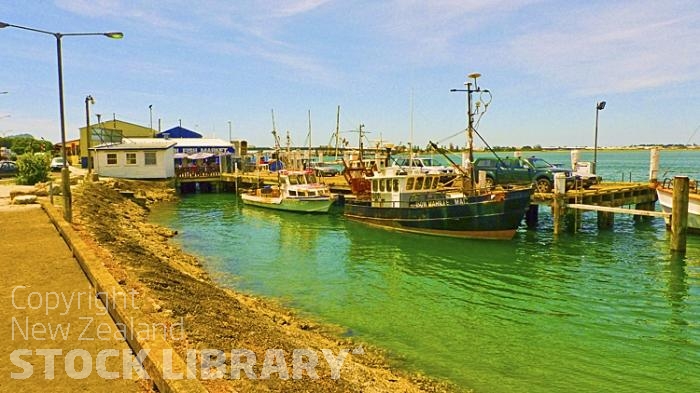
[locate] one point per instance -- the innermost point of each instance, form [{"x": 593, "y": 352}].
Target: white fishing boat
[
  {"x": 665, "y": 194},
  {"x": 296, "y": 191}
]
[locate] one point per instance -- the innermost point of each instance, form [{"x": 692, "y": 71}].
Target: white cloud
[
  {"x": 621, "y": 48},
  {"x": 252, "y": 28}
]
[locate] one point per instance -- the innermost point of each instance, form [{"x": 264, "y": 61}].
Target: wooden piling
[
  {"x": 645, "y": 206},
  {"x": 559, "y": 205},
  {"x": 679, "y": 213},
  {"x": 575, "y": 158},
  {"x": 482, "y": 179},
  {"x": 532, "y": 215},
  {"x": 605, "y": 219},
  {"x": 654, "y": 165}
]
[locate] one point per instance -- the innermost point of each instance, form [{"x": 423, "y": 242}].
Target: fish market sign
[{"x": 213, "y": 150}]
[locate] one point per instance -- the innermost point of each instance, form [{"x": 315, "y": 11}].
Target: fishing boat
[
  {"x": 665, "y": 194},
  {"x": 417, "y": 202},
  {"x": 296, "y": 191},
  {"x": 411, "y": 200}
]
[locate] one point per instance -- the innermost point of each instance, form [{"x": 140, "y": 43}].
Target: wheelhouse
[
  {"x": 302, "y": 184},
  {"x": 409, "y": 190}
]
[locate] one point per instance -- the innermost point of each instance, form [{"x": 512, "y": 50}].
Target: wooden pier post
[
  {"x": 482, "y": 180},
  {"x": 679, "y": 213},
  {"x": 237, "y": 178},
  {"x": 605, "y": 219},
  {"x": 654, "y": 166},
  {"x": 558, "y": 205},
  {"x": 575, "y": 158},
  {"x": 648, "y": 206},
  {"x": 532, "y": 215}
]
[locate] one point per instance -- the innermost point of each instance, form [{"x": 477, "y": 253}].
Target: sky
[{"x": 389, "y": 65}]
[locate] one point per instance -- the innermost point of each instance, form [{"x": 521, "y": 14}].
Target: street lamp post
[
  {"x": 599, "y": 106},
  {"x": 150, "y": 113},
  {"x": 88, "y": 100},
  {"x": 65, "y": 172}
]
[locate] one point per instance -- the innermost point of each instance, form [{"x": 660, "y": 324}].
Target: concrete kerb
[{"x": 108, "y": 290}]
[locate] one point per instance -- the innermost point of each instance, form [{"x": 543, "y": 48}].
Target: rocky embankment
[{"x": 174, "y": 290}]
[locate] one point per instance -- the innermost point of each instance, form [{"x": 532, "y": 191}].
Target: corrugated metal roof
[
  {"x": 183, "y": 142},
  {"x": 162, "y": 145}
]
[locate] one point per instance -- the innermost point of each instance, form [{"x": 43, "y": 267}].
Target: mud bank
[{"x": 175, "y": 291}]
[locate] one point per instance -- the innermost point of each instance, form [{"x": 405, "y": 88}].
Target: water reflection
[
  {"x": 589, "y": 311},
  {"x": 677, "y": 288}
]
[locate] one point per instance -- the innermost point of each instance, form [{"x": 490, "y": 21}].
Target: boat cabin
[
  {"x": 414, "y": 189},
  {"x": 301, "y": 184}
]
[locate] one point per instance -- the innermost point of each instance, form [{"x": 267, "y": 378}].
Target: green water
[{"x": 593, "y": 311}]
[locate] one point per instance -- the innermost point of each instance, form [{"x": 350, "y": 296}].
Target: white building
[{"x": 135, "y": 160}]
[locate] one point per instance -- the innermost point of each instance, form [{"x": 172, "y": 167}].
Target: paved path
[{"x": 38, "y": 273}]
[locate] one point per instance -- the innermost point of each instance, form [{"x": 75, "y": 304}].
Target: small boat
[
  {"x": 665, "y": 194},
  {"x": 296, "y": 191},
  {"x": 417, "y": 202}
]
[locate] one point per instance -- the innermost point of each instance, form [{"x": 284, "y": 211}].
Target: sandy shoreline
[{"x": 174, "y": 289}]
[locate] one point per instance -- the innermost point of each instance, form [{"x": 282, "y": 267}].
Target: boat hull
[
  {"x": 482, "y": 217},
  {"x": 666, "y": 201},
  {"x": 300, "y": 205}
]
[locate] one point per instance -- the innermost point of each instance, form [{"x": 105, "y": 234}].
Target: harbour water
[{"x": 592, "y": 311}]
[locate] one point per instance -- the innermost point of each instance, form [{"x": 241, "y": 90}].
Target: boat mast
[
  {"x": 308, "y": 153},
  {"x": 337, "y": 132},
  {"x": 274, "y": 132},
  {"x": 361, "y": 133},
  {"x": 470, "y": 88},
  {"x": 410, "y": 143},
  {"x": 470, "y": 114}
]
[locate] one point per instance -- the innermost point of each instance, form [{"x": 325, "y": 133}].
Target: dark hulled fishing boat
[
  {"x": 416, "y": 202},
  {"x": 409, "y": 200}
]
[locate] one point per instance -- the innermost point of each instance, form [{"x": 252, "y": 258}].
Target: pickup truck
[
  {"x": 518, "y": 170},
  {"x": 426, "y": 165}
]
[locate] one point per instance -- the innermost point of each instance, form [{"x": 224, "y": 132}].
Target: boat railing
[
  {"x": 692, "y": 185},
  {"x": 197, "y": 171}
]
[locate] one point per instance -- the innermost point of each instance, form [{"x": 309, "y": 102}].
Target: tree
[
  {"x": 33, "y": 168},
  {"x": 26, "y": 144}
]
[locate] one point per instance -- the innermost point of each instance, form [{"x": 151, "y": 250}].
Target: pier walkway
[{"x": 60, "y": 339}]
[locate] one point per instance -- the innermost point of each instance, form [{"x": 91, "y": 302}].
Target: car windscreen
[{"x": 540, "y": 163}]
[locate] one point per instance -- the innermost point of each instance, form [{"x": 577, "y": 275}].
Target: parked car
[
  {"x": 324, "y": 169},
  {"x": 518, "y": 170},
  {"x": 8, "y": 169},
  {"x": 57, "y": 164},
  {"x": 426, "y": 165}
]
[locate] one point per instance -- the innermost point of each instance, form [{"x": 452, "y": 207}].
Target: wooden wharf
[{"x": 606, "y": 199}]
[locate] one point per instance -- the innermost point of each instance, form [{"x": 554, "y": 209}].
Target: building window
[
  {"x": 130, "y": 158},
  {"x": 111, "y": 158},
  {"x": 149, "y": 158}
]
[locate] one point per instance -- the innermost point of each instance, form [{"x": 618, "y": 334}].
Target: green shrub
[{"x": 33, "y": 168}]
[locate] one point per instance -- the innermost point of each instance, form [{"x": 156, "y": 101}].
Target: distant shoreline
[{"x": 613, "y": 149}]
